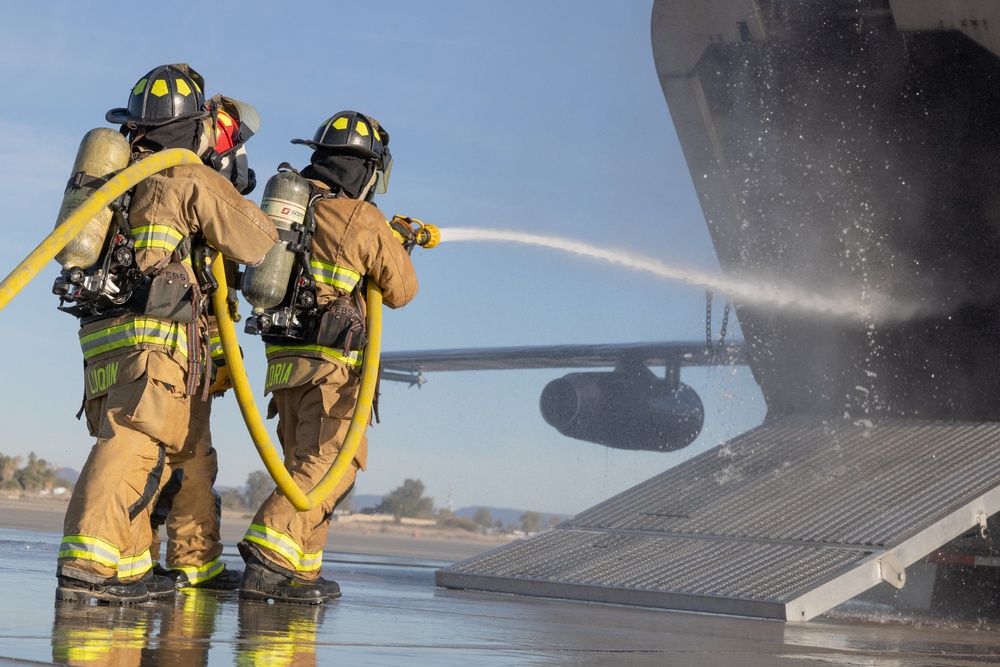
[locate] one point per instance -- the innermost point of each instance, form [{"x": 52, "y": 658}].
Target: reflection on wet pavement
[{"x": 392, "y": 614}]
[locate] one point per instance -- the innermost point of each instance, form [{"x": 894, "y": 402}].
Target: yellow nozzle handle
[
  {"x": 74, "y": 224},
  {"x": 258, "y": 432},
  {"x": 426, "y": 236}
]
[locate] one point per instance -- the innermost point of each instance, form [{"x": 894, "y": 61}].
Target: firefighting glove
[
  {"x": 222, "y": 382},
  {"x": 401, "y": 230}
]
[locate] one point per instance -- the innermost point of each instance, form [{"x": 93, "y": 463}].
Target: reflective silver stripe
[
  {"x": 215, "y": 344},
  {"x": 284, "y": 545},
  {"x": 139, "y": 331},
  {"x": 134, "y": 566},
  {"x": 89, "y": 548},
  {"x": 196, "y": 575},
  {"x": 336, "y": 276},
  {"x": 352, "y": 359},
  {"x": 161, "y": 237},
  {"x": 311, "y": 562}
]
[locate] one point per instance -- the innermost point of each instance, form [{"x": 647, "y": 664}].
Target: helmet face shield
[
  {"x": 352, "y": 133},
  {"x": 383, "y": 171}
]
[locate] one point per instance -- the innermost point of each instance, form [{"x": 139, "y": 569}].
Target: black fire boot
[
  {"x": 157, "y": 586},
  {"x": 178, "y": 577},
  {"x": 226, "y": 580},
  {"x": 261, "y": 583},
  {"x": 331, "y": 587},
  {"x": 110, "y": 591}
]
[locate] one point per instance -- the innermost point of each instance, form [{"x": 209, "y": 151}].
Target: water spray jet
[{"x": 869, "y": 307}]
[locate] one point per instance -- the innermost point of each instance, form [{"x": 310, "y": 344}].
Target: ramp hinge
[{"x": 891, "y": 570}]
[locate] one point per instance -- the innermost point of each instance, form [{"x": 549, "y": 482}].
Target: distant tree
[
  {"x": 531, "y": 522},
  {"x": 38, "y": 474},
  {"x": 8, "y": 470},
  {"x": 483, "y": 517},
  {"x": 554, "y": 521},
  {"x": 407, "y": 501},
  {"x": 233, "y": 499},
  {"x": 259, "y": 487},
  {"x": 346, "y": 504},
  {"x": 448, "y": 519}
]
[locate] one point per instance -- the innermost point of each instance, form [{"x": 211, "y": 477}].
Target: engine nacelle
[{"x": 624, "y": 410}]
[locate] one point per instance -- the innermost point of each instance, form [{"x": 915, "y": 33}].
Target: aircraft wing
[
  {"x": 626, "y": 408},
  {"x": 673, "y": 355}
]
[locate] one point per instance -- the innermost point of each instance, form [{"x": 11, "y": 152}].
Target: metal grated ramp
[{"x": 783, "y": 522}]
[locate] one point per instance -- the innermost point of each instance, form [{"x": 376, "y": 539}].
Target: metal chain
[
  {"x": 708, "y": 321},
  {"x": 725, "y": 325}
]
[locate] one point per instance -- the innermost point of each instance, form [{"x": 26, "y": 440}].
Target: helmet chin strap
[
  {"x": 135, "y": 135},
  {"x": 207, "y": 139},
  {"x": 368, "y": 188}
]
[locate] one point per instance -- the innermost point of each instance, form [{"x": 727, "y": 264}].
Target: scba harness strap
[
  {"x": 299, "y": 324},
  {"x": 165, "y": 292}
]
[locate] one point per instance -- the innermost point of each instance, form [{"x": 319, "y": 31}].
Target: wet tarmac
[{"x": 392, "y": 614}]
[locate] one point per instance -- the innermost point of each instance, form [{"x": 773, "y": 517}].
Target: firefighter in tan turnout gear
[
  {"x": 314, "y": 339},
  {"x": 147, "y": 360},
  {"x": 188, "y": 506}
]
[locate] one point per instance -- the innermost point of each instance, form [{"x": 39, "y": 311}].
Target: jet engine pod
[{"x": 623, "y": 410}]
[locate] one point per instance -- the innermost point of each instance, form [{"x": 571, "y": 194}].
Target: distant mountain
[
  {"x": 364, "y": 501},
  {"x": 67, "y": 474}
]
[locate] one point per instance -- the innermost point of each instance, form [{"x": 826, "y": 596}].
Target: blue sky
[{"x": 545, "y": 117}]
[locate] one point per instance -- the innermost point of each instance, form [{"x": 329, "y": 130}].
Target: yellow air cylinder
[
  {"x": 285, "y": 200},
  {"x": 102, "y": 153}
]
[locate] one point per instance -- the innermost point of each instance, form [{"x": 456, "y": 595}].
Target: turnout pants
[
  {"x": 313, "y": 419},
  {"x": 140, "y": 416},
  {"x": 190, "y": 508}
]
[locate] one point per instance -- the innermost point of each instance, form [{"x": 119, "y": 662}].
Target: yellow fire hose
[
  {"x": 258, "y": 432},
  {"x": 114, "y": 188},
  {"x": 71, "y": 226}
]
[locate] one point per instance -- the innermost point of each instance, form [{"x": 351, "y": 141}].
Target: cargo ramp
[{"x": 784, "y": 522}]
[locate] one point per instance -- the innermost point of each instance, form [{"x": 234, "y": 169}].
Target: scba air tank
[
  {"x": 285, "y": 200},
  {"x": 102, "y": 153}
]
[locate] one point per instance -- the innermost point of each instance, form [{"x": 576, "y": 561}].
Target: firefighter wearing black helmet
[
  {"x": 147, "y": 363},
  {"x": 314, "y": 384}
]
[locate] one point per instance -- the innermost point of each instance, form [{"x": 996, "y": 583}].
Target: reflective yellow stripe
[
  {"x": 215, "y": 345},
  {"x": 334, "y": 275},
  {"x": 294, "y": 646},
  {"x": 162, "y": 237},
  {"x": 92, "y": 646},
  {"x": 196, "y": 575},
  {"x": 284, "y": 545},
  {"x": 89, "y": 548},
  {"x": 351, "y": 359},
  {"x": 134, "y": 566},
  {"x": 139, "y": 331}
]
